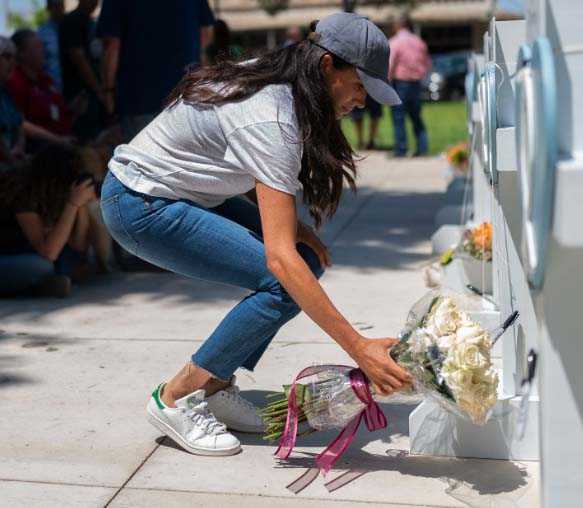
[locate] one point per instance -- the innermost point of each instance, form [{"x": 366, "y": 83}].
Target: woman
[
  {"x": 263, "y": 128},
  {"x": 45, "y": 223}
]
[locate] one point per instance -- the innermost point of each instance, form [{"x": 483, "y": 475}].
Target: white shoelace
[
  {"x": 201, "y": 416},
  {"x": 233, "y": 394}
]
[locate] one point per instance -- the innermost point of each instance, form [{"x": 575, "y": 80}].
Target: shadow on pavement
[
  {"x": 465, "y": 479},
  {"x": 384, "y": 232}
]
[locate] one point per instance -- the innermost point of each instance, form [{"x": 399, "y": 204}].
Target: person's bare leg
[{"x": 189, "y": 379}]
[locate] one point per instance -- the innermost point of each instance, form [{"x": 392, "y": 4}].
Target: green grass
[{"x": 445, "y": 121}]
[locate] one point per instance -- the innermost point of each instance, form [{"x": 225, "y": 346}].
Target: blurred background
[{"x": 450, "y": 28}]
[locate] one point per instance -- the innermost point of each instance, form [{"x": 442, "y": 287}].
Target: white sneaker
[
  {"x": 192, "y": 425},
  {"x": 234, "y": 411}
]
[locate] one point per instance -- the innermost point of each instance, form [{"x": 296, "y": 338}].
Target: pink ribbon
[{"x": 372, "y": 414}]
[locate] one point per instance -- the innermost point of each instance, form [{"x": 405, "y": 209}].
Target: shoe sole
[{"x": 167, "y": 430}]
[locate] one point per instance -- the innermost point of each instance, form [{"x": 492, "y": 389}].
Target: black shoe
[
  {"x": 371, "y": 146},
  {"x": 420, "y": 154}
]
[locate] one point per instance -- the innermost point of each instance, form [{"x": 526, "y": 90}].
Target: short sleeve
[
  {"x": 269, "y": 152},
  {"x": 207, "y": 17},
  {"x": 109, "y": 23}
]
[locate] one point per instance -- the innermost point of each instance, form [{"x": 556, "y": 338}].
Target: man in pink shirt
[{"x": 409, "y": 63}]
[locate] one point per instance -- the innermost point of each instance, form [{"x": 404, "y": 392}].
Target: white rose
[
  {"x": 475, "y": 390},
  {"x": 445, "y": 317},
  {"x": 468, "y": 355},
  {"x": 445, "y": 342},
  {"x": 457, "y": 379},
  {"x": 473, "y": 334}
]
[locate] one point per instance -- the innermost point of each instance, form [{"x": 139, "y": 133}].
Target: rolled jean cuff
[{"x": 215, "y": 375}]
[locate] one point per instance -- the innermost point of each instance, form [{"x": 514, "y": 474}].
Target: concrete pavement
[{"x": 75, "y": 376}]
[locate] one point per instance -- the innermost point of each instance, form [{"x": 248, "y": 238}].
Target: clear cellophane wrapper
[{"x": 331, "y": 401}]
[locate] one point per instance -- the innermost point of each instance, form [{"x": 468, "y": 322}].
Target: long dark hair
[
  {"x": 328, "y": 158},
  {"x": 42, "y": 185}
]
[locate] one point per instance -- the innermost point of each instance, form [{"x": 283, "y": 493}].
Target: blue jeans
[
  {"x": 20, "y": 272},
  {"x": 222, "y": 244},
  {"x": 23, "y": 271},
  {"x": 410, "y": 95}
]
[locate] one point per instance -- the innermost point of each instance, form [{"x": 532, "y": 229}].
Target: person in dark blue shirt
[{"x": 147, "y": 48}]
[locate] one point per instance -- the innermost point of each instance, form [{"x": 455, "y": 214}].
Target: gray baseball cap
[{"x": 361, "y": 43}]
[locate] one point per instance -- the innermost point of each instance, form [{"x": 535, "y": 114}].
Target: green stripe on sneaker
[{"x": 156, "y": 395}]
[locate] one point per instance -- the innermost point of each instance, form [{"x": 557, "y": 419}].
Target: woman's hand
[
  {"x": 307, "y": 235},
  {"x": 386, "y": 376},
  {"x": 82, "y": 193}
]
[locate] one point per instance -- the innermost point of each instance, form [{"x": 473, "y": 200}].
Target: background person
[
  {"x": 133, "y": 31},
  {"x": 409, "y": 64},
  {"x": 293, "y": 35},
  {"x": 375, "y": 113},
  {"x": 47, "y": 118},
  {"x": 45, "y": 223},
  {"x": 49, "y": 35},
  {"x": 79, "y": 66},
  {"x": 12, "y": 138}
]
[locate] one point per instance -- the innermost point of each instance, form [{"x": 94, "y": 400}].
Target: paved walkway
[{"x": 75, "y": 376}]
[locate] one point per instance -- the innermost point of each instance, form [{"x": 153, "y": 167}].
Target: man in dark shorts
[{"x": 375, "y": 112}]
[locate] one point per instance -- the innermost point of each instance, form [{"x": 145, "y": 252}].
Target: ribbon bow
[{"x": 373, "y": 416}]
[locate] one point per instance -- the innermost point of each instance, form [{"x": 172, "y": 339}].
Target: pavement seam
[
  {"x": 241, "y": 494},
  {"x": 306, "y": 498},
  {"x": 66, "y": 484},
  {"x": 182, "y": 491},
  {"x": 116, "y": 493}
]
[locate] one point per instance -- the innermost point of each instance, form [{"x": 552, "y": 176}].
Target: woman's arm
[
  {"x": 279, "y": 223},
  {"x": 305, "y": 234},
  {"x": 49, "y": 244},
  {"x": 79, "y": 239},
  {"x": 37, "y": 132}
]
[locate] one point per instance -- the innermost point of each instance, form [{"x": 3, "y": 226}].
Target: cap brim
[{"x": 379, "y": 89}]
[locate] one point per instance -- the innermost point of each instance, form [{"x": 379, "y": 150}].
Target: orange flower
[
  {"x": 458, "y": 155},
  {"x": 482, "y": 236}
]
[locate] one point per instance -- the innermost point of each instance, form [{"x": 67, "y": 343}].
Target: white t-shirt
[{"x": 207, "y": 154}]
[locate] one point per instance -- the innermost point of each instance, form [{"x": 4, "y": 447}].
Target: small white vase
[{"x": 474, "y": 276}]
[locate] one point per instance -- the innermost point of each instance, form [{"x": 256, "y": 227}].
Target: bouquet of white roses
[
  {"x": 444, "y": 350},
  {"x": 448, "y": 355}
]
